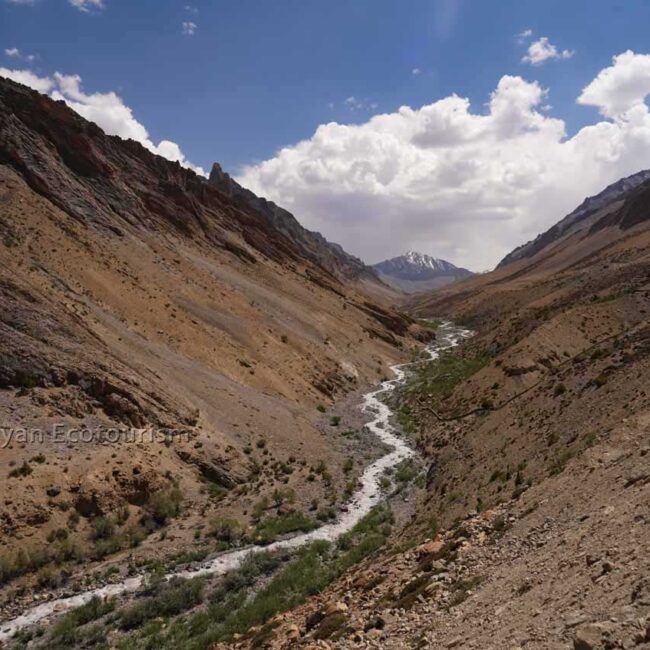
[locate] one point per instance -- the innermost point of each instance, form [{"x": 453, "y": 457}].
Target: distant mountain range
[{"x": 415, "y": 272}]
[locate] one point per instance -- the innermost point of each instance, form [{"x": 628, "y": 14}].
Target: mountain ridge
[
  {"x": 330, "y": 255},
  {"x": 587, "y": 208}
]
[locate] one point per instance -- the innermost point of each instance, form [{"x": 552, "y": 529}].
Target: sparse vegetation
[
  {"x": 165, "y": 505},
  {"x": 166, "y": 599},
  {"x": 69, "y": 632},
  {"x": 430, "y": 324},
  {"x": 437, "y": 379},
  {"x": 234, "y": 607},
  {"x": 274, "y": 526},
  {"x": 226, "y": 530},
  {"x": 24, "y": 470}
]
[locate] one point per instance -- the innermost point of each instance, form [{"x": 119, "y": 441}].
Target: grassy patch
[
  {"x": 27, "y": 561},
  {"x": 69, "y": 632},
  {"x": 439, "y": 377},
  {"x": 430, "y": 324},
  {"x": 167, "y": 599},
  {"x": 274, "y": 526},
  {"x": 406, "y": 471}
]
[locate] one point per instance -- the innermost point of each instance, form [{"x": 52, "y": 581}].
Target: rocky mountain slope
[
  {"x": 167, "y": 352},
  {"x": 524, "y": 525},
  {"x": 580, "y": 218},
  {"x": 414, "y": 272},
  {"x": 315, "y": 246}
]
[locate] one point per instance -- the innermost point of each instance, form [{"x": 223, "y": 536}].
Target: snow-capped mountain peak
[{"x": 416, "y": 271}]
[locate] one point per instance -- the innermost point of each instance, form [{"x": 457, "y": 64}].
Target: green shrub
[
  {"x": 226, "y": 530},
  {"x": 274, "y": 526},
  {"x": 103, "y": 527},
  {"x": 66, "y": 631},
  {"x": 169, "y": 599},
  {"x": 165, "y": 505}
]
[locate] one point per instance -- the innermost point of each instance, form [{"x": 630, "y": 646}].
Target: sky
[{"x": 458, "y": 128}]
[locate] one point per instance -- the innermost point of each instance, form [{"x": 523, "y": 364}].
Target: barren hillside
[{"x": 135, "y": 295}]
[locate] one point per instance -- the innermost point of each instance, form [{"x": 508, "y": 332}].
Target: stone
[
  {"x": 429, "y": 548},
  {"x": 335, "y": 608},
  {"x": 590, "y": 636}
]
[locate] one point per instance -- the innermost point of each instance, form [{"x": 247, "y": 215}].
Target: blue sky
[
  {"x": 260, "y": 74},
  {"x": 246, "y": 78}
]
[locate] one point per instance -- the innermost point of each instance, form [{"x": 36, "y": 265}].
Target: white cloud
[
  {"x": 463, "y": 185},
  {"x": 21, "y": 2},
  {"x": 542, "y": 50},
  {"x": 191, "y": 9},
  {"x": 15, "y": 53},
  {"x": 621, "y": 87},
  {"x": 107, "y": 110},
  {"x": 416, "y": 72},
  {"x": 189, "y": 28},
  {"x": 87, "y": 5},
  {"x": 522, "y": 37},
  {"x": 357, "y": 104},
  {"x": 28, "y": 78}
]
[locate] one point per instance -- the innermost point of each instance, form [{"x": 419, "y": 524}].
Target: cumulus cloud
[
  {"x": 108, "y": 110},
  {"x": 189, "y": 28},
  {"x": 543, "y": 50},
  {"x": 458, "y": 183},
  {"x": 28, "y": 78},
  {"x": 87, "y": 5},
  {"x": 621, "y": 87},
  {"x": 416, "y": 72}
]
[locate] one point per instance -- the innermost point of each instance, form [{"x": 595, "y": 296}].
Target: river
[{"x": 368, "y": 496}]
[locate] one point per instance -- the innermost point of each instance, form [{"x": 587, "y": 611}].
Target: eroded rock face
[
  {"x": 328, "y": 255},
  {"x": 212, "y": 469}
]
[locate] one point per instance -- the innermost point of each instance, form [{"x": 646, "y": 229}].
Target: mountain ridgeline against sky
[
  {"x": 580, "y": 218},
  {"x": 413, "y": 272},
  {"x": 327, "y": 254}
]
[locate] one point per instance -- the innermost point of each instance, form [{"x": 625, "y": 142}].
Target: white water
[{"x": 364, "y": 500}]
